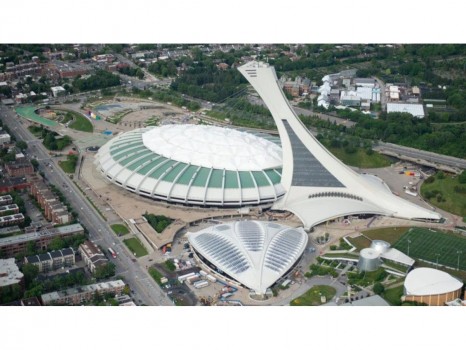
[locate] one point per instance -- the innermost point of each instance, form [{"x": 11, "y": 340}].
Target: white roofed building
[
  {"x": 195, "y": 165},
  {"x": 253, "y": 254},
  {"x": 416, "y": 110},
  {"x": 430, "y": 286}
]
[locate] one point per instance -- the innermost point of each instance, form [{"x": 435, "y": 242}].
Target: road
[
  {"x": 146, "y": 291},
  {"x": 416, "y": 154}
]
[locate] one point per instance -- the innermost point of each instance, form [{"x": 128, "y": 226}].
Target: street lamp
[
  {"x": 459, "y": 252},
  {"x": 408, "y": 246},
  {"x": 437, "y": 259}
]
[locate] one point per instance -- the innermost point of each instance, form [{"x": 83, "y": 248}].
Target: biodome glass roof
[{"x": 254, "y": 253}]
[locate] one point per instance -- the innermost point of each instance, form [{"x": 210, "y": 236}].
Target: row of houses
[
  {"x": 13, "y": 245},
  {"x": 19, "y": 167},
  {"x": 52, "y": 260},
  {"x": 9, "y": 220},
  {"x": 54, "y": 210},
  {"x": 79, "y": 295}
]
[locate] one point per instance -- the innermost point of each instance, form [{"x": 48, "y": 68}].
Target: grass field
[
  {"x": 156, "y": 275},
  {"x": 388, "y": 234},
  {"x": 120, "y": 229},
  {"x": 360, "y": 242},
  {"x": 455, "y": 202},
  {"x": 431, "y": 245},
  {"x": 135, "y": 246},
  {"x": 312, "y": 296},
  {"x": 81, "y": 123},
  {"x": 360, "y": 158},
  {"x": 67, "y": 166},
  {"x": 393, "y": 295}
]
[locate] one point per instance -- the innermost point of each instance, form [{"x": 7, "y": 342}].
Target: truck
[
  {"x": 200, "y": 284},
  {"x": 113, "y": 253}
]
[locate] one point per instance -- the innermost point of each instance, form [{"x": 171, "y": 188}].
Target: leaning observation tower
[{"x": 318, "y": 186}]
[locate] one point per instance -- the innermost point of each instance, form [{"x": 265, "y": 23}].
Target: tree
[
  {"x": 35, "y": 164},
  {"x": 126, "y": 290},
  {"x": 378, "y": 288},
  {"x": 22, "y": 145},
  {"x": 31, "y": 248},
  {"x": 462, "y": 177},
  {"x": 30, "y": 272},
  {"x": 57, "y": 243},
  {"x": 104, "y": 271}
]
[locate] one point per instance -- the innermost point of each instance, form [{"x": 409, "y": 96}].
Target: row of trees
[
  {"x": 100, "y": 80},
  {"x": 158, "y": 222},
  {"x": 133, "y": 72}
]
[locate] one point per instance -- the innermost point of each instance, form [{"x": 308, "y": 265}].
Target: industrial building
[
  {"x": 195, "y": 165},
  {"x": 430, "y": 286},
  {"x": 253, "y": 254},
  {"x": 415, "y": 109}
]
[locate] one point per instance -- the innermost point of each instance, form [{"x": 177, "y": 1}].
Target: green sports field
[{"x": 429, "y": 244}]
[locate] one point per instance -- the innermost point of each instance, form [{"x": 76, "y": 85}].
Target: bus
[{"x": 114, "y": 255}]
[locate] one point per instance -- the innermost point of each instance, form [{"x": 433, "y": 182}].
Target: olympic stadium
[
  {"x": 208, "y": 166},
  {"x": 195, "y": 165}
]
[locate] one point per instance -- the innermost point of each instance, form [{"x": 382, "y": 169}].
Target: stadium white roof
[
  {"x": 397, "y": 256},
  {"x": 212, "y": 146},
  {"x": 194, "y": 169},
  {"x": 253, "y": 253},
  {"x": 416, "y": 110},
  {"x": 426, "y": 281}
]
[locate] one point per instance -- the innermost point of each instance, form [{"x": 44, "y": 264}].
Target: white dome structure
[
  {"x": 380, "y": 246},
  {"x": 427, "y": 281},
  {"x": 195, "y": 165},
  {"x": 254, "y": 253}
]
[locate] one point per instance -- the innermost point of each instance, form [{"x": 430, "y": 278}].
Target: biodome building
[{"x": 195, "y": 165}]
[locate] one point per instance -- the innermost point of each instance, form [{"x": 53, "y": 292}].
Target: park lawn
[
  {"x": 393, "y": 295},
  {"x": 120, "y": 229},
  {"x": 136, "y": 247},
  {"x": 156, "y": 275},
  {"x": 455, "y": 202},
  {"x": 312, "y": 296},
  {"x": 81, "y": 123},
  {"x": 360, "y": 158},
  {"x": 360, "y": 242},
  {"x": 448, "y": 249},
  {"x": 388, "y": 234},
  {"x": 67, "y": 166}
]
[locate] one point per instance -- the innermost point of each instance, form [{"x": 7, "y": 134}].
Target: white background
[{"x": 240, "y": 21}]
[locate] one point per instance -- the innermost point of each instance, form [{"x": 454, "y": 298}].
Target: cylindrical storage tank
[
  {"x": 369, "y": 260},
  {"x": 380, "y": 246}
]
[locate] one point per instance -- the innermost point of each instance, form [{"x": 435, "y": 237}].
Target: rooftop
[
  {"x": 213, "y": 147},
  {"x": 427, "y": 281},
  {"x": 254, "y": 253},
  {"x": 9, "y": 272}
]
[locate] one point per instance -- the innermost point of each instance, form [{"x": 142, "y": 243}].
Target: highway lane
[
  {"x": 425, "y": 155},
  {"x": 146, "y": 290}
]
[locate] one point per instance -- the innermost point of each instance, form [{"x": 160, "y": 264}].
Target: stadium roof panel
[
  {"x": 128, "y": 162},
  {"x": 254, "y": 253},
  {"x": 215, "y": 147}
]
